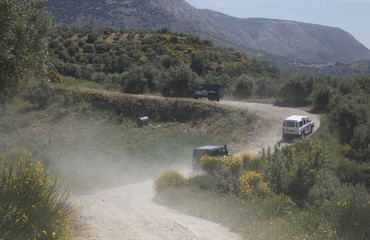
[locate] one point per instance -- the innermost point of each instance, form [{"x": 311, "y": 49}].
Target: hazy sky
[{"x": 352, "y": 16}]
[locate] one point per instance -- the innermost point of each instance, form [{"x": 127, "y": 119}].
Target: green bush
[
  {"x": 211, "y": 164},
  {"x": 252, "y": 185},
  {"x": 251, "y": 162},
  {"x": 351, "y": 172},
  {"x": 40, "y": 95},
  {"x": 204, "y": 182},
  {"x": 295, "y": 91},
  {"x": 91, "y": 37},
  {"x": 169, "y": 179},
  {"x": 141, "y": 79},
  {"x": 278, "y": 206},
  {"x": 233, "y": 163},
  {"x": 24, "y": 27},
  {"x": 345, "y": 217},
  {"x": 244, "y": 86},
  {"x": 31, "y": 204},
  {"x": 215, "y": 183},
  {"x": 294, "y": 170},
  {"x": 179, "y": 81}
]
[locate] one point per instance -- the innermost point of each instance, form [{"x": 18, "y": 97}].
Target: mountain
[{"x": 261, "y": 37}]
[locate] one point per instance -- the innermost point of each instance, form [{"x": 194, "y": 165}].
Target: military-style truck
[
  {"x": 297, "y": 126},
  {"x": 207, "y": 150},
  {"x": 211, "y": 91}
]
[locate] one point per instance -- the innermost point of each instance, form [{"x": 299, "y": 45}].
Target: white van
[{"x": 297, "y": 125}]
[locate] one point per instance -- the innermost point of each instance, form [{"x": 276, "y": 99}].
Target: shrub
[
  {"x": 295, "y": 169},
  {"x": 91, "y": 37},
  {"x": 346, "y": 218},
  {"x": 24, "y": 26},
  {"x": 197, "y": 65},
  {"x": 88, "y": 48},
  {"x": 54, "y": 77},
  {"x": 278, "y": 206},
  {"x": 141, "y": 79},
  {"x": 41, "y": 95},
  {"x": 233, "y": 163},
  {"x": 321, "y": 96},
  {"x": 210, "y": 164},
  {"x": 169, "y": 179},
  {"x": 252, "y": 185},
  {"x": 251, "y": 161},
  {"x": 101, "y": 47},
  {"x": 350, "y": 172},
  {"x": 205, "y": 182},
  {"x": 243, "y": 86},
  {"x": 179, "y": 81},
  {"x": 31, "y": 205},
  {"x": 295, "y": 91}
]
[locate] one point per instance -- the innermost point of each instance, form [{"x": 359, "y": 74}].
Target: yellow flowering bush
[
  {"x": 166, "y": 37},
  {"x": 169, "y": 179},
  {"x": 251, "y": 161},
  {"x": 31, "y": 205},
  {"x": 233, "y": 163},
  {"x": 210, "y": 163},
  {"x": 251, "y": 184}
]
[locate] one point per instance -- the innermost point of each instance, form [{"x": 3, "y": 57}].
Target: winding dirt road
[
  {"x": 270, "y": 135},
  {"x": 128, "y": 212}
]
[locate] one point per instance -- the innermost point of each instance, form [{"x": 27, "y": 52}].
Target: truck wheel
[{"x": 302, "y": 135}]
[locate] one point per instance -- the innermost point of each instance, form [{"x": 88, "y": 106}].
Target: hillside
[
  {"x": 155, "y": 62},
  {"x": 253, "y": 36},
  {"x": 293, "y": 39}
]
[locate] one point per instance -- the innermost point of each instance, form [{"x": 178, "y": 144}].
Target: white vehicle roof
[
  {"x": 295, "y": 118},
  {"x": 210, "y": 147}
]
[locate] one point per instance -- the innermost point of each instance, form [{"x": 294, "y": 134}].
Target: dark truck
[
  {"x": 211, "y": 91},
  {"x": 207, "y": 150}
]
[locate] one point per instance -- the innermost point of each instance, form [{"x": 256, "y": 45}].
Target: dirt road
[
  {"x": 128, "y": 212},
  {"x": 269, "y": 135}
]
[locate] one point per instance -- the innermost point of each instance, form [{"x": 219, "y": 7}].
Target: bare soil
[{"x": 128, "y": 212}]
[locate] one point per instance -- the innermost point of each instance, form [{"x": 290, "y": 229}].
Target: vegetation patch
[
  {"x": 169, "y": 179},
  {"x": 161, "y": 62},
  {"x": 32, "y": 204},
  {"x": 289, "y": 193}
]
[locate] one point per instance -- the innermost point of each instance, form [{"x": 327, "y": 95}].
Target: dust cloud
[
  {"x": 92, "y": 151},
  {"x": 89, "y": 159},
  {"x": 96, "y": 171}
]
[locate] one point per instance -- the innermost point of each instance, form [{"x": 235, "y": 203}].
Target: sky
[{"x": 352, "y": 16}]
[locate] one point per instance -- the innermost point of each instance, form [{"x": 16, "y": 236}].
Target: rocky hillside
[{"x": 254, "y": 36}]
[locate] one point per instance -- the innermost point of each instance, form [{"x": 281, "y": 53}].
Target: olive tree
[
  {"x": 178, "y": 81},
  {"x": 24, "y": 25}
]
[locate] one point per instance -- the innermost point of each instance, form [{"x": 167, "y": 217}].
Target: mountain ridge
[{"x": 255, "y": 36}]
